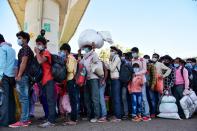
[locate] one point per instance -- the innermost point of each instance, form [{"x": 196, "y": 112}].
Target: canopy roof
[{"x": 71, "y": 12}]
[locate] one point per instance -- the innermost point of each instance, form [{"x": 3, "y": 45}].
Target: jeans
[
  {"x": 23, "y": 87},
  {"x": 49, "y": 92},
  {"x": 73, "y": 96},
  {"x": 116, "y": 97},
  {"x": 177, "y": 92},
  {"x": 125, "y": 100},
  {"x": 102, "y": 101},
  {"x": 92, "y": 98},
  {"x": 136, "y": 99},
  {"x": 8, "y": 107},
  {"x": 43, "y": 101},
  {"x": 145, "y": 105},
  {"x": 153, "y": 98}
]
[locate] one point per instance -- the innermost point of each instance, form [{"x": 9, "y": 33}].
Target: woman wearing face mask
[
  {"x": 114, "y": 67},
  {"x": 181, "y": 84},
  {"x": 169, "y": 80},
  {"x": 91, "y": 89}
]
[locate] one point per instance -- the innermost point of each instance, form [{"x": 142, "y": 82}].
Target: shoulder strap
[{"x": 182, "y": 72}]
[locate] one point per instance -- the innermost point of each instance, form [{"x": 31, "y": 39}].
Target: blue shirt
[{"x": 7, "y": 60}]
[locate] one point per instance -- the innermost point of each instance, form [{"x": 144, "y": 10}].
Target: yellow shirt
[{"x": 71, "y": 66}]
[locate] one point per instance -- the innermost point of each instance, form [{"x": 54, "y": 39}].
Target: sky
[{"x": 161, "y": 26}]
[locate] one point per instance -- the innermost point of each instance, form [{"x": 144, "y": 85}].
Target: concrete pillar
[{"x": 43, "y": 14}]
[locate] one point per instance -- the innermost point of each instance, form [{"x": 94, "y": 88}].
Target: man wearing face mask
[
  {"x": 150, "y": 84},
  {"x": 71, "y": 65},
  {"x": 7, "y": 83},
  {"x": 91, "y": 89},
  {"x": 160, "y": 66},
  {"x": 162, "y": 72},
  {"x": 44, "y": 58},
  {"x": 143, "y": 69},
  {"x": 25, "y": 56},
  {"x": 114, "y": 67},
  {"x": 181, "y": 84}
]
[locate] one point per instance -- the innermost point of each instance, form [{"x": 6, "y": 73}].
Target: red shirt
[{"x": 46, "y": 67}]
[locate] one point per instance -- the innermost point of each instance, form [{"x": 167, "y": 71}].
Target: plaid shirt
[
  {"x": 151, "y": 75},
  {"x": 169, "y": 80}
]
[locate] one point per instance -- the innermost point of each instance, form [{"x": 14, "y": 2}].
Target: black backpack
[
  {"x": 59, "y": 71},
  {"x": 126, "y": 72},
  {"x": 35, "y": 72}
]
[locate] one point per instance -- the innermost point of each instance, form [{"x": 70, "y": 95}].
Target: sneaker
[
  {"x": 29, "y": 122},
  {"x": 136, "y": 119},
  {"x": 115, "y": 120},
  {"x": 94, "y": 120},
  {"x": 47, "y": 124},
  {"x": 125, "y": 117},
  {"x": 146, "y": 118},
  {"x": 102, "y": 120},
  {"x": 19, "y": 124}
]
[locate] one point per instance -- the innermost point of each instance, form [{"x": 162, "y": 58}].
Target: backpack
[
  {"x": 59, "y": 70},
  {"x": 80, "y": 76},
  {"x": 126, "y": 72},
  {"x": 35, "y": 72}
]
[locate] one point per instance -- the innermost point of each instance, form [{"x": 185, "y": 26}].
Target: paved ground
[{"x": 154, "y": 125}]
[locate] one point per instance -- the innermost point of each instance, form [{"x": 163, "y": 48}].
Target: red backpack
[{"x": 81, "y": 73}]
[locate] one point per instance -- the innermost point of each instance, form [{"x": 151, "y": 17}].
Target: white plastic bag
[
  {"x": 193, "y": 96},
  {"x": 169, "y": 116},
  {"x": 168, "y": 99},
  {"x": 168, "y": 108},
  {"x": 92, "y": 37},
  {"x": 188, "y": 106}
]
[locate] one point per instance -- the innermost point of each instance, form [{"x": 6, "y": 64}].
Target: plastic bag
[
  {"x": 188, "y": 106},
  {"x": 168, "y": 99},
  {"x": 168, "y": 108},
  {"x": 169, "y": 116},
  {"x": 92, "y": 37},
  {"x": 65, "y": 104},
  {"x": 159, "y": 84}
]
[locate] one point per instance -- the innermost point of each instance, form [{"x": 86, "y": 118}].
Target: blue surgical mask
[
  {"x": 176, "y": 65},
  {"x": 189, "y": 65},
  {"x": 62, "y": 54},
  {"x": 136, "y": 70},
  {"x": 20, "y": 42},
  {"x": 86, "y": 50}
]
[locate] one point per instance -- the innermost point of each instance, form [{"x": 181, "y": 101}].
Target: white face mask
[
  {"x": 147, "y": 61},
  {"x": 135, "y": 55},
  {"x": 136, "y": 70},
  {"x": 40, "y": 47},
  {"x": 154, "y": 59},
  {"x": 20, "y": 42},
  {"x": 112, "y": 54}
]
